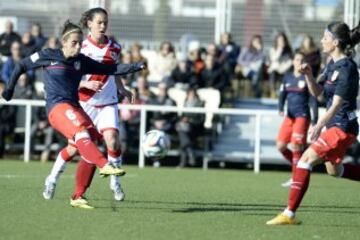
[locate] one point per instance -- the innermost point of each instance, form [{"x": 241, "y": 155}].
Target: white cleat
[
  {"x": 119, "y": 194},
  {"x": 49, "y": 190},
  {"x": 287, "y": 184}
]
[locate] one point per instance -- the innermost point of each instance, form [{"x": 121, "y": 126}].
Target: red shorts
[
  {"x": 69, "y": 119},
  {"x": 332, "y": 144},
  {"x": 294, "y": 130}
]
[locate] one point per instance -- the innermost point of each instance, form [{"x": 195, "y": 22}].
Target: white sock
[
  {"x": 58, "y": 168},
  {"x": 289, "y": 213},
  {"x": 115, "y": 180}
]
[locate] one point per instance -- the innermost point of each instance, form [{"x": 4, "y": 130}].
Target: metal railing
[{"x": 28, "y": 104}]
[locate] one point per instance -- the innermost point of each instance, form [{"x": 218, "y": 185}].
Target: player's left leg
[{"x": 64, "y": 156}]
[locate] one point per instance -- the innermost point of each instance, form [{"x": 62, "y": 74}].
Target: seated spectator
[
  {"x": 28, "y": 45},
  {"x": 189, "y": 128},
  {"x": 23, "y": 88},
  {"x": 52, "y": 43},
  {"x": 229, "y": 52},
  {"x": 7, "y": 120},
  {"x": 280, "y": 57},
  {"x": 136, "y": 56},
  {"x": 9, "y": 65},
  {"x": 250, "y": 64},
  {"x": 213, "y": 50},
  {"x": 181, "y": 79},
  {"x": 129, "y": 79},
  {"x": 42, "y": 132},
  {"x": 163, "y": 63},
  {"x": 143, "y": 90},
  {"x": 130, "y": 122},
  {"x": 194, "y": 60},
  {"x": 163, "y": 121},
  {"x": 7, "y": 38},
  {"x": 312, "y": 54},
  {"x": 213, "y": 75},
  {"x": 36, "y": 33}
]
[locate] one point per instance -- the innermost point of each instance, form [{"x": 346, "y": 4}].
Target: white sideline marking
[{"x": 9, "y": 176}]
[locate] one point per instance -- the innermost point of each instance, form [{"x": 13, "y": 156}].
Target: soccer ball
[{"x": 155, "y": 144}]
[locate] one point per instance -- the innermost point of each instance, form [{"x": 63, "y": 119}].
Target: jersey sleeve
[
  {"x": 36, "y": 60},
  {"x": 90, "y": 66}
]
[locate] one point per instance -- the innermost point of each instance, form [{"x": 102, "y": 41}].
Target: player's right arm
[{"x": 36, "y": 60}]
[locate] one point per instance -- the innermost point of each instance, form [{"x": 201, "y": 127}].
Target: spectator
[
  {"x": 24, "y": 89},
  {"x": 189, "y": 128},
  {"x": 213, "y": 50},
  {"x": 250, "y": 64},
  {"x": 129, "y": 79},
  {"x": 7, "y": 120},
  {"x": 312, "y": 54},
  {"x": 28, "y": 45},
  {"x": 195, "y": 62},
  {"x": 136, "y": 56},
  {"x": 163, "y": 121},
  {"x": 9, "y": 65},
  {"x": 36, "y": 33},
  {"x": 7, "y": 38},
  {"x": 229, "y": 52},
  {"x": 280, "y": 57},
  {"x": 213, "y": 75},
  {"x": 41, "y": 130},
  {"x": 163, "y": 63},
  {"x": 143, "y": 90},
  {"x": 52, "y": 43}
]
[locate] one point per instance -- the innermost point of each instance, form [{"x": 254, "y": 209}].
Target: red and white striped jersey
[{"x": 107, "y": 53}]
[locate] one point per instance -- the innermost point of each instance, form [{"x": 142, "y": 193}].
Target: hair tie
[{"x": 72, "y": 31}]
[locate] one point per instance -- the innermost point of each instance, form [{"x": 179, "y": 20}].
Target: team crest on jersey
[
  {"x": 114, "y": 55},
  {"x": 77, "y": 65},
  {"x": 334, "y": 76},
  {"x": 301, "y": 84}
]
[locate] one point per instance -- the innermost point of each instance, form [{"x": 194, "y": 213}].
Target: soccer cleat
[
  {"x": 282, "y": 219},
  {"x": 49, "y": 190},
  {"x": 110, "y": 170},
  {"x": 119, "y": 194},
  {"x": 80, "y": 203},
  {"x": 287, "y": 183}
]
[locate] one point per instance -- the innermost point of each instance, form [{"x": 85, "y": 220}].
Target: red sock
[
  {"x": 288, "y": 155},
  {"x": 351, "y": 172},
  {"x": 296, "y": 155},
  {"x": 65, "y": 155},
  {"x": 84, "y": 175},
  {"x": 301, "y": 179},
  {"x": 114, "y": 154},
  {"x": 90, "y": 152}
]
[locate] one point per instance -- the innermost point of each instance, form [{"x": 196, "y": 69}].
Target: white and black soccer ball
[{"x": 155, "y": 144}]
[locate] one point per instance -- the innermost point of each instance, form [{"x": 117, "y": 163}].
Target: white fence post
[
  {"x": 141, "y": 137},
  {"x": 257, "y": 140},
  {"x": 27, "y": 132}
]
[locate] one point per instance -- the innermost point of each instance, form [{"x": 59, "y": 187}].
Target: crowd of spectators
[{"x": 207, "y": 77}]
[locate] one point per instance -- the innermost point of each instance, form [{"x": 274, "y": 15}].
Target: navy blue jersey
[
  {"x": 299, "y": 101},
  {"x": 341, "y": 78},
  {"x": 62, "y": 76}
]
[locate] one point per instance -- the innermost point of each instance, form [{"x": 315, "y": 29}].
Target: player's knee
[
  {"x": 71, "y": 150},
  {"x": 111, "y": 139}
]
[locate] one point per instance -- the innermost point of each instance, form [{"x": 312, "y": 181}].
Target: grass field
[{"x": 167, "y": 203}]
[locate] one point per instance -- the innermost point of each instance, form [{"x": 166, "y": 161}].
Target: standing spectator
[
  {"x": 7, "y": 38},
  {"x": 189, "y": 128},
  {"x": 312, "y": 54},
  {"x": 280, "y": 57},
  {"x": 9, "y": 65},
  {"x": 163, "y": 63},
  {"x": 28, "y": 44},
  {"x": 7, "y": 120},
  {"x": 36, "y": 33},
  {"x": 250, "y": 64}
]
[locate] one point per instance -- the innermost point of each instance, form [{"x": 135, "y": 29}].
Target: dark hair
[
  {"x": 299, "y": 52},
  {"x": 89, "y": 16},
  {"x": 287, "y": 47},
  {"x": 68, "y": 28},
  {"x": 347, "y": 38},
  {"x": 171, "y": 47},
  {"x": 251, "y": 47}
]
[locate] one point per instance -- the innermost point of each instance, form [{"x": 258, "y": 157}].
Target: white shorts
[{"x": 104, "y": 118}]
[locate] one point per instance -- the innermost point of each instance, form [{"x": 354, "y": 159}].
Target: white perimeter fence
[{"x": 29, "y": 104}]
